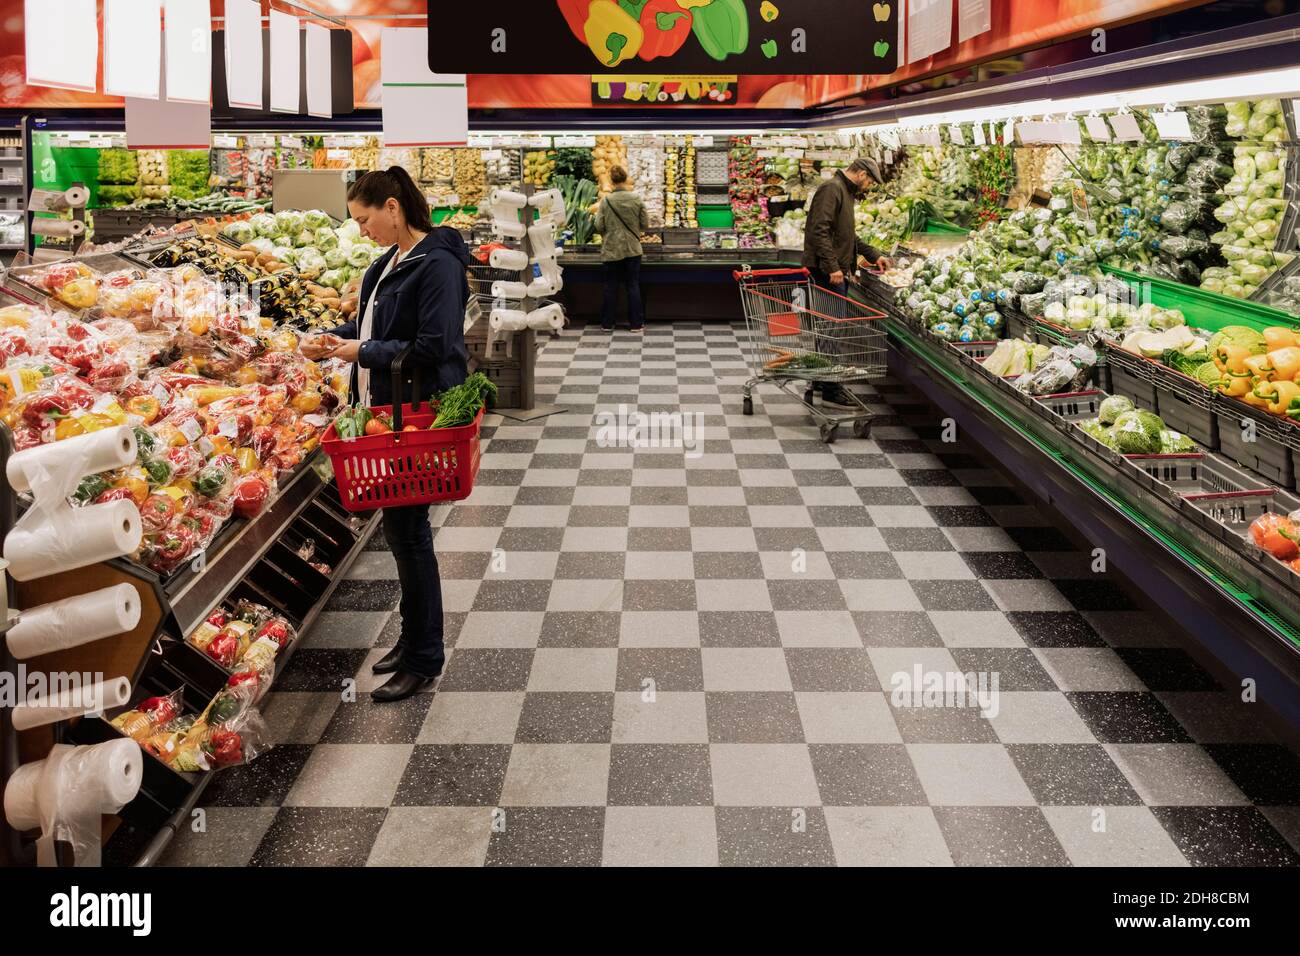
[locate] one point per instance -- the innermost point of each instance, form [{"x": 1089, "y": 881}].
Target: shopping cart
[{"x": 801, "y": 335}]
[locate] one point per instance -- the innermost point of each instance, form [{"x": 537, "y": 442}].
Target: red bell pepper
[
  {"x": 250, "y": 496},
  {"x": 45, "y": 408},
  {"x": 223, "y": 649},
  {"x": 666, "y": 25},
  {"x": 575, "y": 15},
  {"x": 225, "y": 748},
  {"x": 277, "y": 630}
]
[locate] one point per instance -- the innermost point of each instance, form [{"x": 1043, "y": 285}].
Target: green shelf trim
[
  {"x": 938, "y": 227},
  {"x": 975, "y": 389},
  {"x": 1209, "y": 310}
]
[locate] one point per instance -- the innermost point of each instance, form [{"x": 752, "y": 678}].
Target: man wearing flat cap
[{"x": 831, "y": 246}]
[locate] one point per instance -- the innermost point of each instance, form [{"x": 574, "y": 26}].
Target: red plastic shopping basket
[{"x": 400, "y": 468}]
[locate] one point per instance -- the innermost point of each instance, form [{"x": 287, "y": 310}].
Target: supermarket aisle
[{"x": 661, "y": 658}]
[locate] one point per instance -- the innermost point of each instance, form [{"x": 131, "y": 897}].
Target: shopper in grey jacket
[{"x": 621, "y": 218}]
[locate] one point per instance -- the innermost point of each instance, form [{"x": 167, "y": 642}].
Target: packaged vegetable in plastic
[
  {"x": 148, "y": 715},
  {"x": 1277, "y": 534}
]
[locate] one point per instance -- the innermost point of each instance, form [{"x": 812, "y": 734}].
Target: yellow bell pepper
[
  {"x": 612, "y": 34},
  {"x": 69, "y": 428},
  {"x": 1231, "y": 358},
  {"x": 28, "y": 379},
  {"x": 768, "y": 10},
  {"x": 14, "y": 316},
  {"x": 1281, "y": 395},
  {"x": 247, "y": 461},
  {"x": 183, "y": 485},
  {"x": 98, "y": 421},
  {"x": 1261, "y": 367},
  {"x": 690, "y": 4},
  {"x": 1236, "y": 384},
  {"x": 1285, "y": 362},
  {"x": 221, "y": 445},
  {"x": 115, "y": 413},
  {"x": 146, "y": 406},
  {"x": 138, "y": 487},
  {"x": 204, "y": 395},
  {"x": 1279, "y": 337},
  {"x": 306, "y": 402}
]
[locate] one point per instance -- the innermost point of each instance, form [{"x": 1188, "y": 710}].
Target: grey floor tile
[
  {"x": 1000, "y": 836},
  {"x": 886, "y": 836},
  {"x": 1072, "y": 775},
  {"x": 566, "y": 717},
  {"x": 433, "y": 836},
  {"x": 866, "y": 775},
  {"x": 454, "y": 775},
  {"x": 548, "y": 836},
  {"x": 660, "y": 775},
  {"x": 753, "y": 717},
  {"x": 760, "y": 836},
  {"x": 660, "y": 836}
]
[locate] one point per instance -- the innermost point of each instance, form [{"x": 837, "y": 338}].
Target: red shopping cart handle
[{"x": 740, "y": 275}]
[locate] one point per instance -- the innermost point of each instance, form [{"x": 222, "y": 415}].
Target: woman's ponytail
[{"x": 375, "y": 188}]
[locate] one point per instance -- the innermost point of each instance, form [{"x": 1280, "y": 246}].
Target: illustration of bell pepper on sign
[{"x": 617, "y": 30}]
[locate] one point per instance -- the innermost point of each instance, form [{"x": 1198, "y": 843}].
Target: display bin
[
  {"x": 976, "y": 351},
  {"x": 1048, "y": 333},
  {"x": 682, "y": 238},
  {"x": 1186, "y": 406},
  {"x": 1130, "y": 376},
  {"x": 1272, "y": 453},
  {"x": 1019, "y": 325}
]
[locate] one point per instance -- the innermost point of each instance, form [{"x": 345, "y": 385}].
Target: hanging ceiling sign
[{"x": 760, "y": 37}]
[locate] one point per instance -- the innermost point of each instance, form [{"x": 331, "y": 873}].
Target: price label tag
[
  {"x": 1009, "y": 133},
  {"x": 1173, "y": 125},
  {"x": 261, "y": 140},
  {"x": 1126, "y": 128},
  {"x": 1098, "y": 131},
  {"x": 291, "y": 142},
  {"x": 204, "y": 446},
  {"x": 338, "y": 155},
  {"x": 956, "y": 134},
  {"x": 222, "y": 141},
  {"x": 493, "y": 155},
  {"x": 1043, "y": 244},
  {"x": 704, "y": 142},
  {"x": 539, "y": 142},
  {"x": 315, "y": 421},
  {"x": 229, "y": 428},
  {"x": 768, "y": 153},
  {"x": 191, "y": 429},
  {"x": 977, "y": 134},
  {"x": 161, "y": 394}
]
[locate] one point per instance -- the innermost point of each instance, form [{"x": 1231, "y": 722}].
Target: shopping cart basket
[
  {"x": 400, "y": 468},
  {"x": 801, "y": 335}
]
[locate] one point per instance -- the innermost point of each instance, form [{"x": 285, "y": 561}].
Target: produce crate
[
  {"x": 1185, "y": 405},
  {"x": 1072, "y": 407},
  {"x": 976, "y": 351},
  {"x": 509, "y": 382},
  {"x": 1272, "y": 453},
  {"x": 1130, "y": 376},
  {"x": 679, "y": 238},
  {"x": 1165, "y": 473},
  {"x": 1049, "y": 333},
  {"x": 1019, "y": 325},
  {"x": 1225, "y": 500}
]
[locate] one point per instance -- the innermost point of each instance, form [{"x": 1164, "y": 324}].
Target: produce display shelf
[
  {"x": 1207, "y": 310},
  {"x": 1227, "y": 598},
  {"x": 257, "y": 563},
  {"x": 935, "y": 227}
]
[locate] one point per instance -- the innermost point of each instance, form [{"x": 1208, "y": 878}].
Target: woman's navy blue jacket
[{"x": 421, "y": 302}]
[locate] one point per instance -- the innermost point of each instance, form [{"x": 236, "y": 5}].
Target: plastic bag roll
[
  {"x": 67, "y": 793},
  {"x": 71, "y": 702},
  {"x": 507, "y": 229},
  {"x": 513, "y": 259},
  {"x": 546, "y": 198},
  {"x": 93, "y": 453},
  {"x": 509, "y": 290},
  {"x": 73, "y": 539},
  {"x": 75, "y": 621},
  {"x": 542, "y": 236},
  {"x": 507, "y": 197},
  {"x": 548, "y": 318},
  {"x": 507, "y": 320}
]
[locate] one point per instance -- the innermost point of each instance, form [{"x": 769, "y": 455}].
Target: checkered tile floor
[{"x": 641, "y": 673}]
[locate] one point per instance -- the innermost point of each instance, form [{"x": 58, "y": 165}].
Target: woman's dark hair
[
  {"x": 375, "y": 188},
  {"x": 617, "y": 175}
]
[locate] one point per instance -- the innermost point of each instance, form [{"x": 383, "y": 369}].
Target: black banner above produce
[{"x": 673, "y": 36}]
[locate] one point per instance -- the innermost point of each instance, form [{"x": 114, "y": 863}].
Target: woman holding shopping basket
[{"x": 413, "y": 297}]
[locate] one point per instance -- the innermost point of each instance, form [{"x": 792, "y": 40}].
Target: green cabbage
[
  {"x": 1112, "y": 407},
  {"x": 240, "y": 232},
  {"x": 335, "y": 258},
  {"x": 288, "y": 222},
  {"x": 326, "y": 238},
  {"x": 315, "y": 219},
  {"x": 264, "y": 224},
  {"x": 359, "y": 256}
]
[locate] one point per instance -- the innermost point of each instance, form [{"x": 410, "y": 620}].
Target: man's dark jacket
[{"x": 830, "y": 241}]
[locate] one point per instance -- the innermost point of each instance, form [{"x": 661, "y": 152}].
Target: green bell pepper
[
  {"x": 159, "y": 472},
  {"x": 211, "y": 480},
  {"x": 91, "y": 487},
  {"x": 722, "y": 27},
  {"x": 145, "y": 443}
]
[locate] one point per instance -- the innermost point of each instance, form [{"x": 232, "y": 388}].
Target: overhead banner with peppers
[
  {"x": 682, "y": 36},
  {"x": 617, "y": 89}
]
